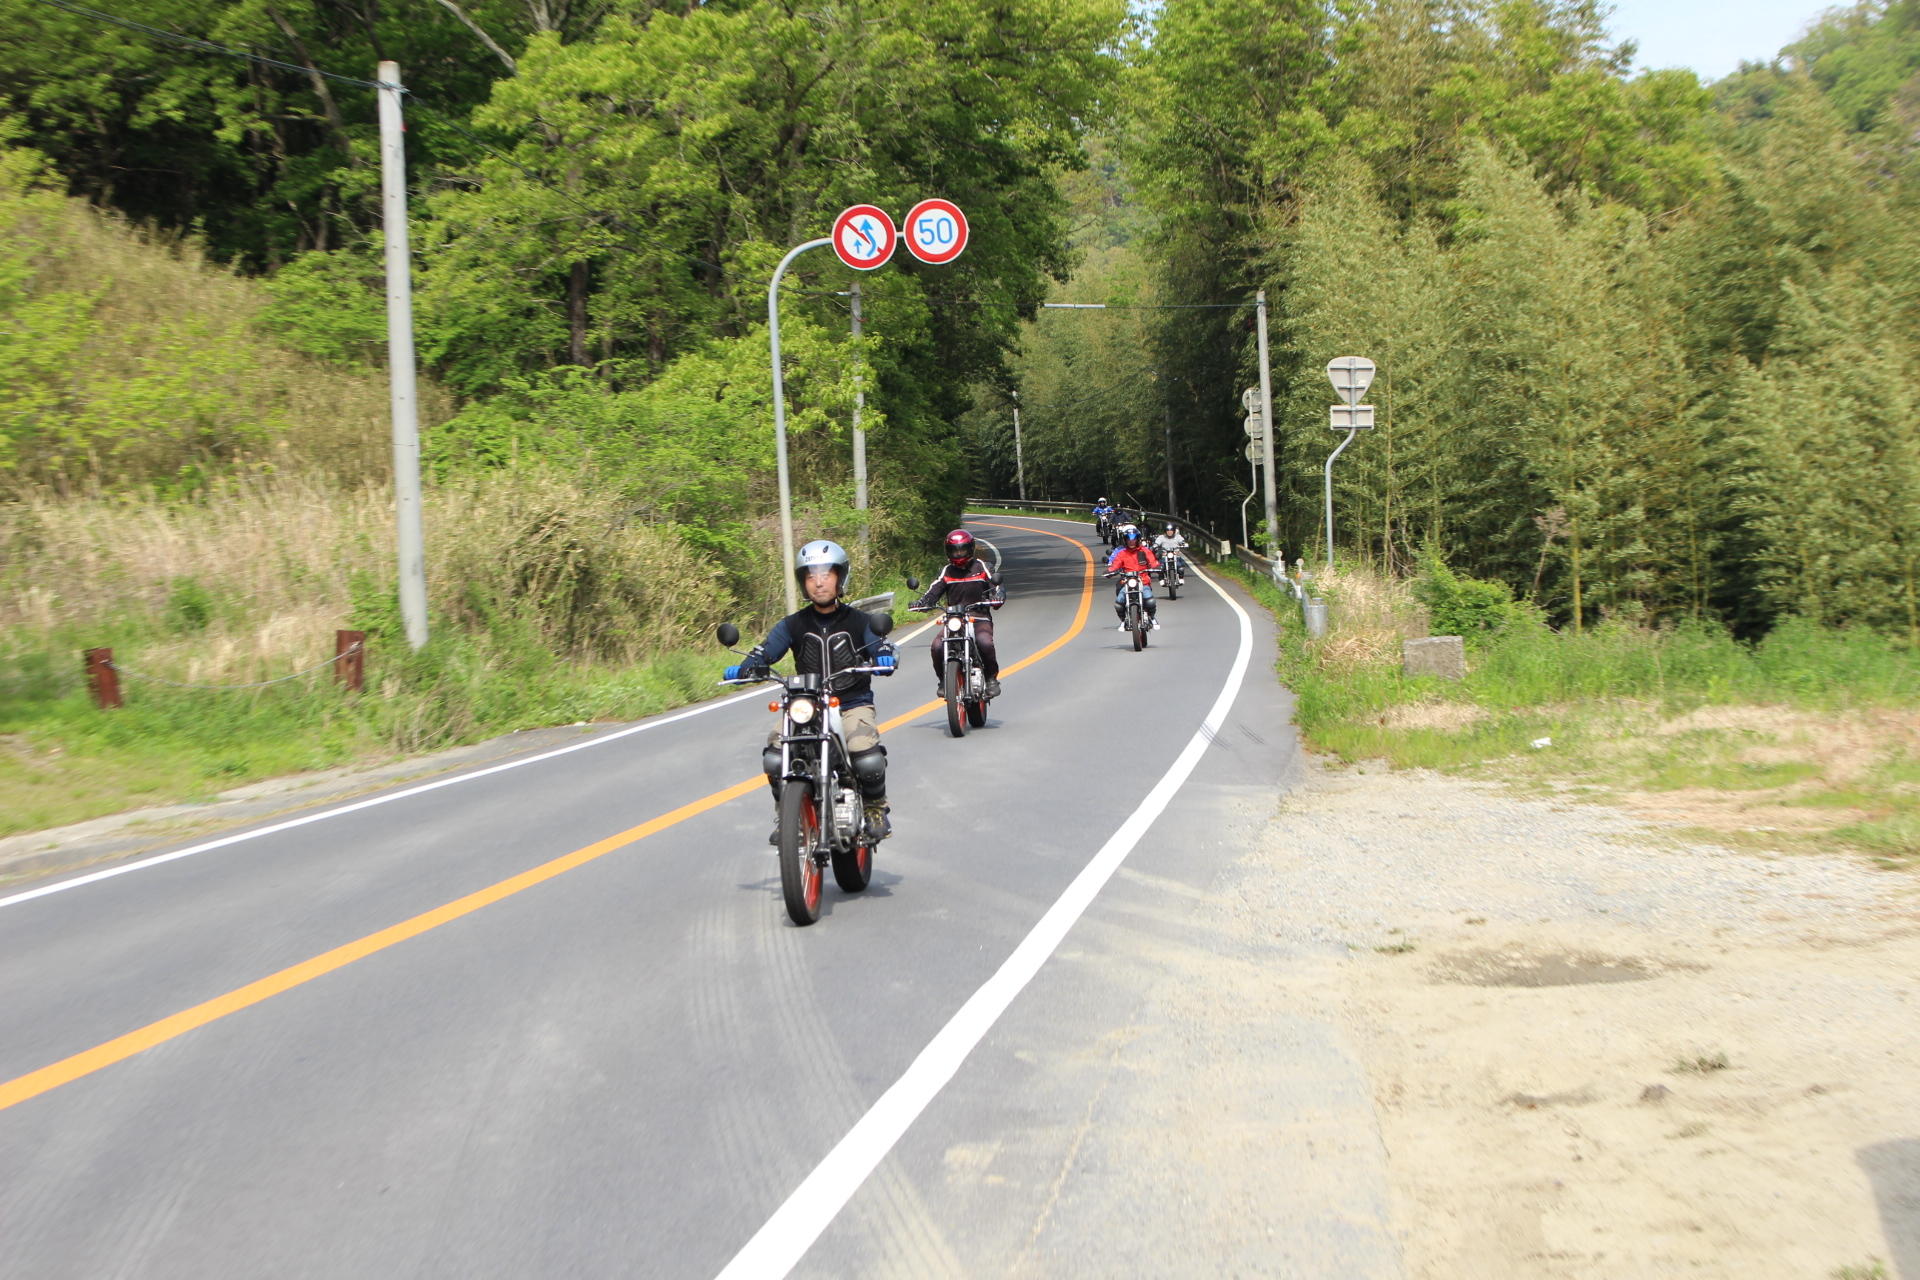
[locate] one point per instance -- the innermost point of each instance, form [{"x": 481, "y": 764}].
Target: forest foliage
[{"x": 1648, "y": 347}]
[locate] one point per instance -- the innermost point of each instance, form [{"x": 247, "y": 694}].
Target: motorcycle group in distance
[
  {"x": 1136, "y": 562},
  {"x": 824, "y": 764}
]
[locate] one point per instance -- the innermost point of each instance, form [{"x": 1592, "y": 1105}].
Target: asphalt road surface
[{"x": 550, "y": 1019}]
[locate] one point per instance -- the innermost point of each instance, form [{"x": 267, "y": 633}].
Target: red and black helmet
[{"x": 959, "y": 546}]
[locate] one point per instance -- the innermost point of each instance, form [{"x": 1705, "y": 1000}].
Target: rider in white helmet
[{"x": 829, "y": 625}]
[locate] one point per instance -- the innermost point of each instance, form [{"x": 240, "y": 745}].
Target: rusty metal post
[
  {"x": 350, "y": 657},
  {"x": 102, "y": 680}
]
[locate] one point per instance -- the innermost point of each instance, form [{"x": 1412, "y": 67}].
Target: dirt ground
[{"x": 1599, "y": 1051}]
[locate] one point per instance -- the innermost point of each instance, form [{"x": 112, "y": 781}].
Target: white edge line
[
  {"x": 785, "y": 1237},
  {"x": 387, "y": 798}
]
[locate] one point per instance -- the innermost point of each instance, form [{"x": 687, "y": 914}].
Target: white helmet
[{"x": 818, "y": 554}]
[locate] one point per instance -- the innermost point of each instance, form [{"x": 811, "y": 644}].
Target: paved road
[{"x": 552, "y": 1021}]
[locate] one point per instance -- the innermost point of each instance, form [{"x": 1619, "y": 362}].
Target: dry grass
[{"x": 268, "y": 568}]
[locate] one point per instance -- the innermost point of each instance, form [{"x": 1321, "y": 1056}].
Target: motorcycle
[
  {"x": 1173, "y": 573},
  {"x": 963, "y": 683},
  {"x": 1103, "y": 527},
  {"x": 822, "y": 820},
  {"x": 1134, "y": 609}
]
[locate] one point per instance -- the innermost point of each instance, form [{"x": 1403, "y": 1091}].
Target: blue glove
[
  {"x": 731, "y": 673},
  {"x": 885, "y": 662}
]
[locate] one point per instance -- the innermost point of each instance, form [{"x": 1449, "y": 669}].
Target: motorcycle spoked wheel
[
  {"x": 1171, "y": 587},
  {"x": 953, "y": 688},
  {"x": 1137, "y": 623},
  {"x": 853, "y": 866},
  {"x": 800, "y": 875},
  {"x": 977, "y": 712}
]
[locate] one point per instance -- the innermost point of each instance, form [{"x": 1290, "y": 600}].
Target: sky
[{"x": 1712, "y": 37}]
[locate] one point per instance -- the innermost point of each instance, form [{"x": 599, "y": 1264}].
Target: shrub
[{"x": 1473, "y": 608}]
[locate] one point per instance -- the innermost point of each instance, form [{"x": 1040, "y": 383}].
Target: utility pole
[
  {"x": 1019, "y": 460},
  {"x": 1173, "y": 507},
  {"x": 403, "y": 393},
  {"x": 1266, "y": 413}
]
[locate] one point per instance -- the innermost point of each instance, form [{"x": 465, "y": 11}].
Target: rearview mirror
[
  {"x": 727, "y": 634},
  {"x": 913, "y": 583},
  {"x": 882, "y": 623}
]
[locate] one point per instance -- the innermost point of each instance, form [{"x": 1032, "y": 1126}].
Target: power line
[{"x": 208, "y": 46}]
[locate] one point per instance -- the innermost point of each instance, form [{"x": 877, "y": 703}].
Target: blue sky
[{"x": 1711, "y": 36}]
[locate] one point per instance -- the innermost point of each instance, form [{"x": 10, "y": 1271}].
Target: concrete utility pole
[
  {"x": 400, "y": 360},
  {"x": 1166, "y": 426},
  {"x": 1019, "y": 459},
  {"x": 1266, "y": 412}
]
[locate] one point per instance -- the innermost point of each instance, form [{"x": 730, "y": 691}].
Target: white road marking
[{"x": 785, "y": 1237}]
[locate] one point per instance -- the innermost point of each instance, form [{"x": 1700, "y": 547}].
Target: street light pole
[
  {"x": 780, "y": 421},
  {"x": 859, "y": 436}
]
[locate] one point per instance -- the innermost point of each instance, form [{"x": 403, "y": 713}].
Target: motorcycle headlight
[
  {"x": 802, "y": 710},
  {"x": 954, "y": 624}
]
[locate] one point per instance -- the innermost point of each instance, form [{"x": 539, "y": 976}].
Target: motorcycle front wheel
[
  {"x": 954, "y": 689},
  {"x": 800, "y": 878},
  {"x": 1137, "y": 623},
  {"x": 1172, "y": 587}
]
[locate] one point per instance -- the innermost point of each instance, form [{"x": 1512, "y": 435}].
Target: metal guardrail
[{"x": 1312, "y": 608}]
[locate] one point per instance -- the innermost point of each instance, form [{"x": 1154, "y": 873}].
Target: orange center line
[{"x": 85, "y": 1063}]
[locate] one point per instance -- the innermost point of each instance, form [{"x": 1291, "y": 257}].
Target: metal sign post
[
  {"x": 864, "y": 238},
  {"x": 1350, "y": 375}
]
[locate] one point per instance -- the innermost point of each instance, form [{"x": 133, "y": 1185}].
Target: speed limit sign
[{"x": 936, "y": 231}]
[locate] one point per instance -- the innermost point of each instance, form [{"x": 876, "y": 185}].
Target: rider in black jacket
[
  {"x": 830, "y": 624},
  {"x": 966, "y": 580}
]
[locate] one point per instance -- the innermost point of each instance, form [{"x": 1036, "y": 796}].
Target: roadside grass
[
  {"x": 1807, "y": 740},
  {"x": 547, "y": 606}
]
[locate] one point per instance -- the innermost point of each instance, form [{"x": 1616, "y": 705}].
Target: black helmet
[{"x": 820, "y": 554}]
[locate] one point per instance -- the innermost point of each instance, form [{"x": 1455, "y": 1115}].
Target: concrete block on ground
[{"x": 1443, "y": 656}]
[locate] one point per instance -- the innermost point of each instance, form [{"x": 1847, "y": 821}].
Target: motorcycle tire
[
  {"x": 953, "y": 686},
  {"x": 800, "y": 878},
  {"x": 1171, "y": 587},
  {"x": 977, "y": 713},
  {"x": 853, "y": 866},
  {"x": 1137, "y": 624}
]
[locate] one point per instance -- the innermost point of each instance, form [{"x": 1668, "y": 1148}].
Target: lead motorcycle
[{"x": 822, "y": 822}]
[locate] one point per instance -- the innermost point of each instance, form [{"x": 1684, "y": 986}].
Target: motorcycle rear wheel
[
  {"x": 800, "y": 878},
  {"x": 953, "y": 686},
  {"x": 853, "y": 868},
  {"x": 977, "y": 712}
]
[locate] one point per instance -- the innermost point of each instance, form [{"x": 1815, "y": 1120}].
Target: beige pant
[{"x": 859, "y": 725}]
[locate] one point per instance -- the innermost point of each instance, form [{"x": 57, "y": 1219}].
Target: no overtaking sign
[{"x": 864, "y": 237}]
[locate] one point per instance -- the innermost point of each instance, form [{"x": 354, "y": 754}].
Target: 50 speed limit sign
[{"x": 936, "y": 231}]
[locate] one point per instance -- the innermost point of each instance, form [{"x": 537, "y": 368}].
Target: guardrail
[{"x": 1313, "y": 610}]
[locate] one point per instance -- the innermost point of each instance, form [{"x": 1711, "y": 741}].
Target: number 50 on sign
[{"x": 936, "y": 231}]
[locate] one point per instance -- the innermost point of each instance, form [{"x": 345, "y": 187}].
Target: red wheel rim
[{"x": 810, "y": 874}]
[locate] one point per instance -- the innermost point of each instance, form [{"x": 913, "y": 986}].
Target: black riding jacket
[
  {"x": 808, "y": 633},
  {"x": 969, "y": 583}
]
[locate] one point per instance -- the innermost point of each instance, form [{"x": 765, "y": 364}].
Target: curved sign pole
[{"x": 780, "y": 420}]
